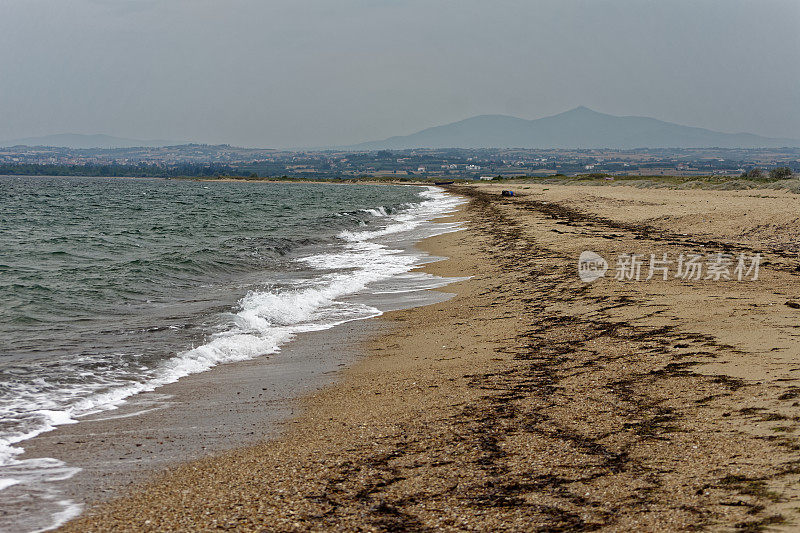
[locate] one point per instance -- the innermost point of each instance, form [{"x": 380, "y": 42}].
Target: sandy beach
[{"x": 533, "y": 401}]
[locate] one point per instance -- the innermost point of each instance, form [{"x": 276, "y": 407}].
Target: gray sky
[{"x": 275, "y": 73}]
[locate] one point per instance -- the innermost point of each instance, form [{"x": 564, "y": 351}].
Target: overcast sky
[{"x": 275, "y": 73}]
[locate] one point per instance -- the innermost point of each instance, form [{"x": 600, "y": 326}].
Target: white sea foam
[
  {"x": 8, "y": 482},
  {"x": 263, "y": 321},
  {"x": 68, "y": 511}
]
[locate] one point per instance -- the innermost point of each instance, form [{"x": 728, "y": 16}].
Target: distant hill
[
  {"x": 578, "y": 128},
  {"x": 75, "y": 140}
]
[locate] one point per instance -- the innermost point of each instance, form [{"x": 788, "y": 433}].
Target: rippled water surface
[{"x": 110, "y": 287}]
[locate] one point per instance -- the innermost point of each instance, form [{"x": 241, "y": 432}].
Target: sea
[{"x": 113, "y": 287}]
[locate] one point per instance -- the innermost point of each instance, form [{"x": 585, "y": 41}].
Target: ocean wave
[{"x": 261, "y": 323}]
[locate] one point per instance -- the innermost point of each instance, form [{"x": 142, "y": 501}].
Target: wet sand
[
  {"x": 533, "y": 401},
  {"x": 228, "y": 406}
]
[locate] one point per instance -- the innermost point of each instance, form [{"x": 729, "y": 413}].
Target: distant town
[{"x": 198, "y": 160}]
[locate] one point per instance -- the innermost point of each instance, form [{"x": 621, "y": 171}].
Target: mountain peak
[{"x": 581, "y": 110}]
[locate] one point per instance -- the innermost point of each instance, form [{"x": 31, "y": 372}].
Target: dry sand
[{"x": 533, "y": 401}]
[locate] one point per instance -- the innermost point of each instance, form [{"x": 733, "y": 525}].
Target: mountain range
[
  {"x": 577, "y": 128},
  {"x": 75, "y": 140}
]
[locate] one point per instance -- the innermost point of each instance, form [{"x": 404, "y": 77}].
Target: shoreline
[
  {"x": 543, "y": 403},
  {"x": 231, "y": 405},
  {"x": 226, "y": 406}
]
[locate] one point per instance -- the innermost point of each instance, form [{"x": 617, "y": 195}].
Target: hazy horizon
[{"x": 285, "y": 74}]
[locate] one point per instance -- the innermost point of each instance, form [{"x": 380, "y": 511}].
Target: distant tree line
[{"x": 777, "y": 173}]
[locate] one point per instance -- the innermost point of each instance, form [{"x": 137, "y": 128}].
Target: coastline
[
  {"x": 543, "y": 402},
  {"x": 91, "y": 455},
  {"x": 228, "y": 406}
]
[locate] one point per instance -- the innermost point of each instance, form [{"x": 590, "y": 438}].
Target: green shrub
[{"x": 780, "y": 173}]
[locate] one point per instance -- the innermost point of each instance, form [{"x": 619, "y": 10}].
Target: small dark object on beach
[
  {"x": 793, "y": 305},
  {"x": 443, "y": 182},
  {"x": 508, "y": 193}
]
